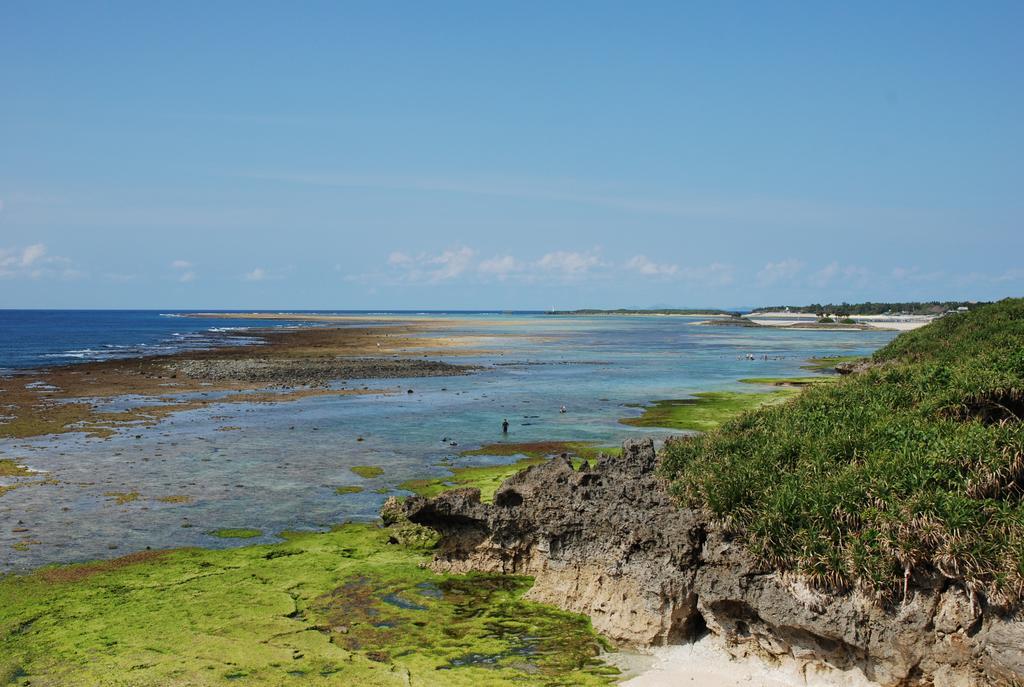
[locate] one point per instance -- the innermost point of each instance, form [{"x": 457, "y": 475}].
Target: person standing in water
[{"x": 504, "y": 426}]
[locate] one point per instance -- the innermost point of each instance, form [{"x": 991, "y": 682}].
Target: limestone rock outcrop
[{"x": 610, "y": 542}]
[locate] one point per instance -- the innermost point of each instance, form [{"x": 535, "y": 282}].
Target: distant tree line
[{"x": 871, "y": 308}]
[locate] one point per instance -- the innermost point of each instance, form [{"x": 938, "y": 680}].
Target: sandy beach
[
  {"x": 705, "y": 663},
  {"x": 888, "y": 322}
]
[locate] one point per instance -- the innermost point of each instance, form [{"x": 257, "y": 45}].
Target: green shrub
[{"x": 914, "y": 465}]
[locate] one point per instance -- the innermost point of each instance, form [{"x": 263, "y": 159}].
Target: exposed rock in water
[
  {"x": 610, "y": 542},
  {"x": 312, "y": 371}
]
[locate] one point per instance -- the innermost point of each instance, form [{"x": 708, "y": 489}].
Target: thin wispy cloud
[
  {"x": 185, "y": 273},
  {"x": 556, "y": 267},
  {"x": 714, "y": 274},
  {"x": 269, "y": 119},
  {"x": 35, "y": 262},
  {"x": 427, "y": 268},
  {"x": 683, "y": 204},
  {"x": 119, "y": 278},
  {"x": 569, "y": 264},
  {"x": 851, "y": 275},
  {"x": 791, "y": 273},
  {"x": 645, "y": 266},
  {"x": 914, "y": 274},
  {"x": 501, "y": 267},
  {"x": 783, "y": 271}
]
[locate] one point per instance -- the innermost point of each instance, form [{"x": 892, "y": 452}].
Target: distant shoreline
[{"x": 666, "y": 312}]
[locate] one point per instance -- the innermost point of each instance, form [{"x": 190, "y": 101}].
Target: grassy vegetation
[
  {"x": 487, "y": 478},
  {"x": 368, "y": 471},
  {"x": 915, "y": 466},
  {"x": 707, "y": 410},
  {"x": 344, "y": 607}
]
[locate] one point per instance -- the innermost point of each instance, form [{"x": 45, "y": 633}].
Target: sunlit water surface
[{"x": 280, "y": 469}]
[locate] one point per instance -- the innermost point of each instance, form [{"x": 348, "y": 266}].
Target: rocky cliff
[{"x": 609, "y": 541}]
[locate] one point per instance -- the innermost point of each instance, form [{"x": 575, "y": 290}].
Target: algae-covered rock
[{"x": 402, "y": 531}]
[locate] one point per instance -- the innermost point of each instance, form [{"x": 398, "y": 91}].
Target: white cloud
[
  {"x": 451, "y": 263},
  {"x": 32, "y": 254},
  {"x": 399, "y": 258},
  {"x": 424, "y": 268},
  {"x": 185, "y": 272},
  {"x": 713, "y": 274},
  {"x": 643, "y": 265},
  {"x": 33, "y": 262},
  {"x": 555, "y": 267},
  {"x": 26, "y": 257},
  {"x": 257, "y": 274},
  {"x": 568, "y": 264},
  {"x": 500, "y": 267},
  {"x": 782, "y": 271}
]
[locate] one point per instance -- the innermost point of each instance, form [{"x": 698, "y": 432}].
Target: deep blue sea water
[
  {"x": 35, "y": 338},
  {"x": 276, "y": 467}
]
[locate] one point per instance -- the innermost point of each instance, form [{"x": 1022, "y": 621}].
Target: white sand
[
  {"x": 706, "y": 664},
  {"x": 891, "y": 322}
]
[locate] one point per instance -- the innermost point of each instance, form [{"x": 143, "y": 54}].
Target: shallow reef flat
[{"x": 285, "y": 366}]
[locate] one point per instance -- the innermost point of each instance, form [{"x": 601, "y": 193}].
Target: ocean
[
  {"x": 276, "y": 467},
  {"x": 36, "y": 338}
]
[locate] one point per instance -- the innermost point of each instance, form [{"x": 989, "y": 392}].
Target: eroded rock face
[{"x": 609, "y": 541}]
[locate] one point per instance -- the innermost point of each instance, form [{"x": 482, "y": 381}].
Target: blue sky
[{"x": 509, "y": 155}]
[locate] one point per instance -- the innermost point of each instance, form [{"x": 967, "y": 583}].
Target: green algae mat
[
  {"x": 487, "y": 478},
  {"x": 348, "y": 607},
  {"x": 707, "y": 410}
]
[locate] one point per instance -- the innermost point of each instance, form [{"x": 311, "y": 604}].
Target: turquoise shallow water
[{"x": 280, "y": 469}]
